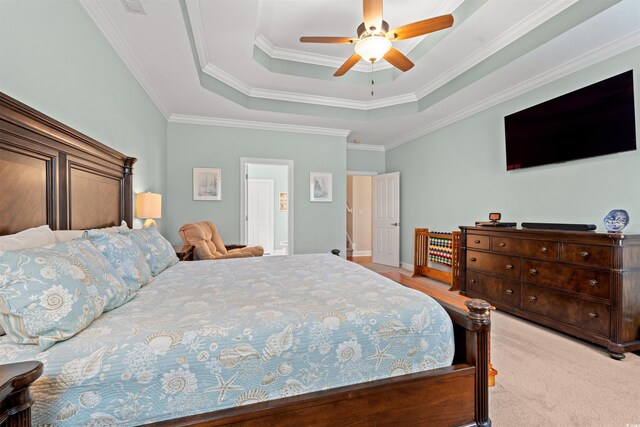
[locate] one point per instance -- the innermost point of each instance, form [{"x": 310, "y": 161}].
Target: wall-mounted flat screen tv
[{"x": 593, "y": 121}]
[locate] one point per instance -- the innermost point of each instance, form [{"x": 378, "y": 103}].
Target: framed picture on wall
[
  {"x": 320, "y": 187},
  {"x": 283, "y": 202},
  {"x": 207, "y": 184}
]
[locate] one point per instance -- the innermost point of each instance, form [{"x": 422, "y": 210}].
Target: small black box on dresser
[{"x": 585, "y": 284}]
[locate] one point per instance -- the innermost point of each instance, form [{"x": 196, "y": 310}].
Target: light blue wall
[
  {"x": 278, "y": 174},
  {"x": 318, "y": 227},
  {"x": 365, "y": 161},
  {"x": 54, "y": 59},
  {"x": 457, "y": 175}
]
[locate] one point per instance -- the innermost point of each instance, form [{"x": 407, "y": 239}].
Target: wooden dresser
[{"x": 585, "y": 284}]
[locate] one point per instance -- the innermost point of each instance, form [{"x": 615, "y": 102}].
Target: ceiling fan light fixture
[{"x": 373, "y": 48}]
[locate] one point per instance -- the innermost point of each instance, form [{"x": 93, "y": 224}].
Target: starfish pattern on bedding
[
  {"x": 224, "y": 386},
  {"x": 381, "y": 355}
]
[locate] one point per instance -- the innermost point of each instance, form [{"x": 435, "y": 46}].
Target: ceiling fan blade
[
  {"x": 348, "y": 64},
  {"x": 340, "y": 40},
  {"x": 421, "y": 27},
  {"x": 372, "y": 11},
  {"x": 398, "y": 60}
]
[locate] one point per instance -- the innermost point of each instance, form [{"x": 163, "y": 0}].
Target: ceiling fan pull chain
[{"x": 372, "y": 83}]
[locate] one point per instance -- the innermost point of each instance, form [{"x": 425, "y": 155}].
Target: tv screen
[{"x": 593, "y": 121}]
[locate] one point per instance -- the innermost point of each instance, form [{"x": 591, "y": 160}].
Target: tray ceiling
[{"x": 240, "y": 63}]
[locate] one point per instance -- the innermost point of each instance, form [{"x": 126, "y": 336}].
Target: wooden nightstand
[
  {"x": 15, "y": 403},
  {"x": 184, "y": 252}
]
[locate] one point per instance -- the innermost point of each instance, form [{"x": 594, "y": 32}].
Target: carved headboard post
[{"x": 127, "y": 191}]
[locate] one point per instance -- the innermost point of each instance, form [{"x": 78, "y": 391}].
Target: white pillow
[
  {"x": 27, "y": 239},
  {"x": 67, "y": 235}
]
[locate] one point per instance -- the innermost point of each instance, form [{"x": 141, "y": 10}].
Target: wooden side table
[
  {"x": 184, "y": 252},
  {"x": 15, "y": 401}
]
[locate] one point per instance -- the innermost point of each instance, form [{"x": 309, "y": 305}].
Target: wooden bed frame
[
  {"x": 52, "y": 174},
  {"x": 421, "y": 257}
]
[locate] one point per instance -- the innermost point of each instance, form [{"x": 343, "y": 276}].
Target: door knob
[{"x": 395, "y": 224}]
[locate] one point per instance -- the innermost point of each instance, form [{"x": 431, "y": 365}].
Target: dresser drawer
[
  {"x": 583, "y": 280},
  {"x": 587, "y": 254},
  {"x": 541, "y": 249},
  {"x": 494, "y": 288},
  {"x": 588, "y": 315},
  {"x": 477, "y": 241},
  {"x": 508, "y": 266},
  {"x": 505, "y": 244}
]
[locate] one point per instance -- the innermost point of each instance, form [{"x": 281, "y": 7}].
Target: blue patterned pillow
[
  {"x": 124, "y": 255},
  {"x": 51, "y": 293},
  {"x": 157, "y": 250}
]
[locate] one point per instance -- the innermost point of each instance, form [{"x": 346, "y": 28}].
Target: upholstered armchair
[{"x": 207, "y": 243}]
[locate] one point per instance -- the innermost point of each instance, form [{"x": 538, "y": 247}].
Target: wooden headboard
[{"x": 52, "y": 174}]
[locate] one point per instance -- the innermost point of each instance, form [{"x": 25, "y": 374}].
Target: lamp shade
[{"x": 148, "y": 205}]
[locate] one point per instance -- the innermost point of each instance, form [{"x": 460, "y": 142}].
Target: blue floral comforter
[{"x": 208, "y": 335}]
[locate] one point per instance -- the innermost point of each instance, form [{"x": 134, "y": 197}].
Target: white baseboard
[
  {"x": 406, "y": 266},
  {"x": 361, "y": 253}
]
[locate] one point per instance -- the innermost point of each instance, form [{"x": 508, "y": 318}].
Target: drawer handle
[
  {"x": 544, "y": 250},
  {"x": 472, "y": 259},
  {"x": 509, "y": 292},
  {"x": 477, "y": 241},
  {"x": 533, "y": 298},
  {"x": 533, "y": 271},
  {"x": 584, "y": 254},
  {"x": 473, "y": 281},
  {"x": 592, "y": 315},
  {"x": 593, "y": 282},
  {"x": 502, "y": 244},
  {"x": 509, "y": 267}
]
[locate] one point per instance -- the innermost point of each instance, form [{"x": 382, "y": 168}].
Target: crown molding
[
  {"x": 193, "y": 9},
  {"x": 99, "y": 16},
  {"x": 226, "y": 78},
  {"x": 365, "y": 147},
  {"x": 246, "y": 124},
  {"x": 331, "y": 102},
  {"x": 217, "y": 73},
  {"x": 606, "y": 51},
  {"x": 543, "y": 14}
]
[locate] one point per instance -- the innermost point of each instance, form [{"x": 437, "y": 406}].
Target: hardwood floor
[{"x": 366, "y": 262}]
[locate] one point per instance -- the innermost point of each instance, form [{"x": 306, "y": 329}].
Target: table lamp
[{"x": 149, "y": 206}]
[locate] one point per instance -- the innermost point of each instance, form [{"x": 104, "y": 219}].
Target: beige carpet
[{"x": 550, "y": 379}]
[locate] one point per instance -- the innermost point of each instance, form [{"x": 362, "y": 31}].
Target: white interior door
[
  {"x": 386, "y": 219},
  {"x": 260, "y": 214}
]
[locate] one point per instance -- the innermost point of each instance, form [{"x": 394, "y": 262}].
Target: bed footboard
[{"x": 15, "y": 401}]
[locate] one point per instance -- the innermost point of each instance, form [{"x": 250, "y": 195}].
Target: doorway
[
  {"x": 359, "y": 216},
  {"x": 267, "y": 204}
]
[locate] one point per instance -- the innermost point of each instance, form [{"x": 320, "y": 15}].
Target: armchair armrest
[
  {"x": 15, "y": 401},
  {"x": 234, "y": 246},
  {"x": 184, "y": 252}
]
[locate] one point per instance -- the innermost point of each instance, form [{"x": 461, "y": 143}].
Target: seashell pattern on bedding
[{"x": 208, "y": 335}]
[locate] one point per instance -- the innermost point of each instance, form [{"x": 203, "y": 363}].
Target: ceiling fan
[{"x": 374, "y": 38}]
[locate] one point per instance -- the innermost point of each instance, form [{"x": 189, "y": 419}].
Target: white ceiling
[{"x": 237, "y": 62}]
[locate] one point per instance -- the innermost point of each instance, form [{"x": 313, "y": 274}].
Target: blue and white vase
[{"x": 616, "y": 220}]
